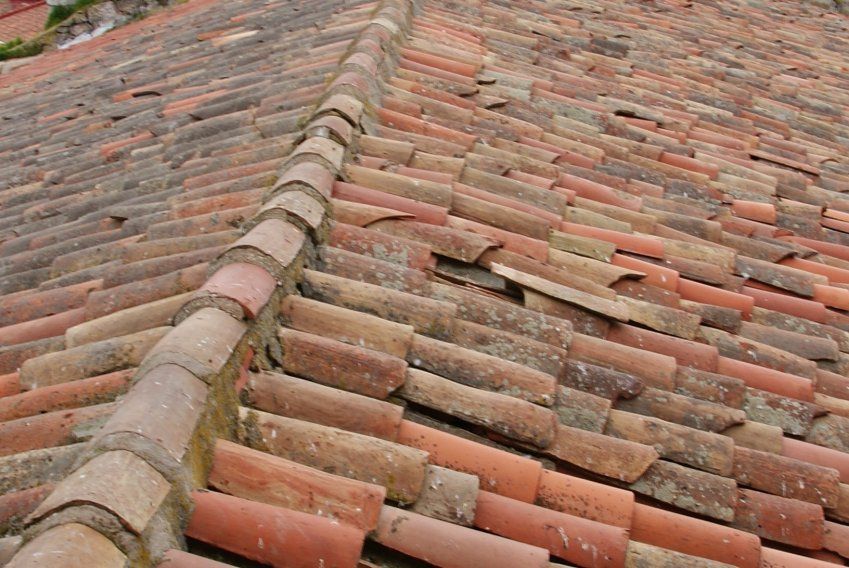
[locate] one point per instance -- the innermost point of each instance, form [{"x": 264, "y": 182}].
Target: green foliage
[
  {"x": 11, "y": 44},
  {"x": 17, "y": 48},
  {"x": 59, "y": 14}
]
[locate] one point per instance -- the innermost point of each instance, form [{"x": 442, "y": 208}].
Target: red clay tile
[
  {"x": 448, "y": 495},
  {"x": 425, "y": 538},
  {"x": 695, "y": 448},
  {"x": 39, "y": 304},
  {"x": 119, "y": 482},
  {"x": 773, "y": 558},
  {"x": 574, "y": 539},
  {"x": 600, "y": 381},
  {"x": 424, "y": 212},
  {"x": 202, "y": 343},
  {"x": 438, "y": 62},
  {"x": 598, "y": 305},
  {"x": 832, "y": 384},
  {"x": 273, "y": 244},
  {"x": 179, "y": 559},
  {"x": 15, "y": 506},
  {"x": 646, "y": 246},
  {"x": 304, "y": 400},
  {"x": 745, "y": 350},
  {"x": 654, "y": 369},
  {"x": 91, "y": 359},
  {"x": 705, "y": 294},
  {"x": 786, "y": 477},
  {"x": 159, "y": 416},
  {"x": 258, "y": 476},
  {"x": 127, "y": 321},
  {"x": 248, "y": 285},
  {"x": 513, "y": 242},
  {"x": 307, "y": 173},
  {"x": 801, "y": 344},
  {"x": 514, "y": 418},
  {"x": 480, "y": 370},
  {"x": 814, "y": 311},
  {"x": 689, "y": 489},
  {"x": 756, "y": 211},
  {"x": 681, "y": 409},
  {"x": 655, "y": 275},
  {"x": 446, "y": 241},
  {"x": 397, "y": 185},
  {"x": 273, "y": 535},
  {"x": 399, "y": 468},
  {"x": 348, "y": 326},
  {"x": 49, "y": 326},
  {"x": 500, "y": 472},
  {"x": 75, "y": 394},
  {"x": 584, "y": 498},
  {"x": 381, "y": 246},
  {"x": 144, "y": 291},
  {"x": 686, "y": 353},
  {"x": 831, "y": 296},
  {"x": 695, "y": 536},
  {"x": 836, "y": 538},
  {"x": 70, "y": 544},
  {"x": 766, "y": 379},
  {"x": 782, "y": 520},
  {"x": 491, "y": 197},
  {"x": 10, "y": 384},
  {"x": 825, "y": 457},
  {"x": 419, "y": 126},
  {"x": 360, "y": 215},
  {"x": 600, "y": 454},
  {"x": 341, "y": 365}
]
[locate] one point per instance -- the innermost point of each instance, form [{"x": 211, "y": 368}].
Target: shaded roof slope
[{"x": 497, "y": 284}]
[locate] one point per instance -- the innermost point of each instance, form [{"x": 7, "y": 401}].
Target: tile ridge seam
[{"x": 208, "y": 351}]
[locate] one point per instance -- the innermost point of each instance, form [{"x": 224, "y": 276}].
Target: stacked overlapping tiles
[{"x": 583, "y": 299}]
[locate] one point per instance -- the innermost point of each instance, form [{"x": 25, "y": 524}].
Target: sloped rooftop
[{"x": 456, "y": 284}]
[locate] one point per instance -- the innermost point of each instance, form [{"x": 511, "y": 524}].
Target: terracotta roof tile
[{"x": 568, "y": 281}]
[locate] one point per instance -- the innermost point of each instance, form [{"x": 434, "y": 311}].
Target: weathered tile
[
  {"x": 72, "y": 545},
  {"x": 203, "y": 343},
  {"x": 296, "y": 398},
  {"x": 499, "y": 471},
  {"x": 398, "y": 468},
  {"x": 270, "y": 534},
  {"x": 249, "y": 474},
  {"x": 119, "y": 482},
  {"x": 341, "y": 365},
  {"x": 448, "y": 495},
  {"x": 512, "y": 417},
  {"x": 419, "y": 536}
]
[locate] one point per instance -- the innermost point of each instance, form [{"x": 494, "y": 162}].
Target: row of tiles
[{"x": 433, "y": 146}]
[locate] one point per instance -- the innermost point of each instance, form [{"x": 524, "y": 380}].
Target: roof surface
[
  {"x": 462, "y": 284},
  {"x": 22, "y": 19}
]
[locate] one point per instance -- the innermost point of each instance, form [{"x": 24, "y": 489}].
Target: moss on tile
[
  {"x": 59, "y": 14},
  {"x": 20, "y": 48}
]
